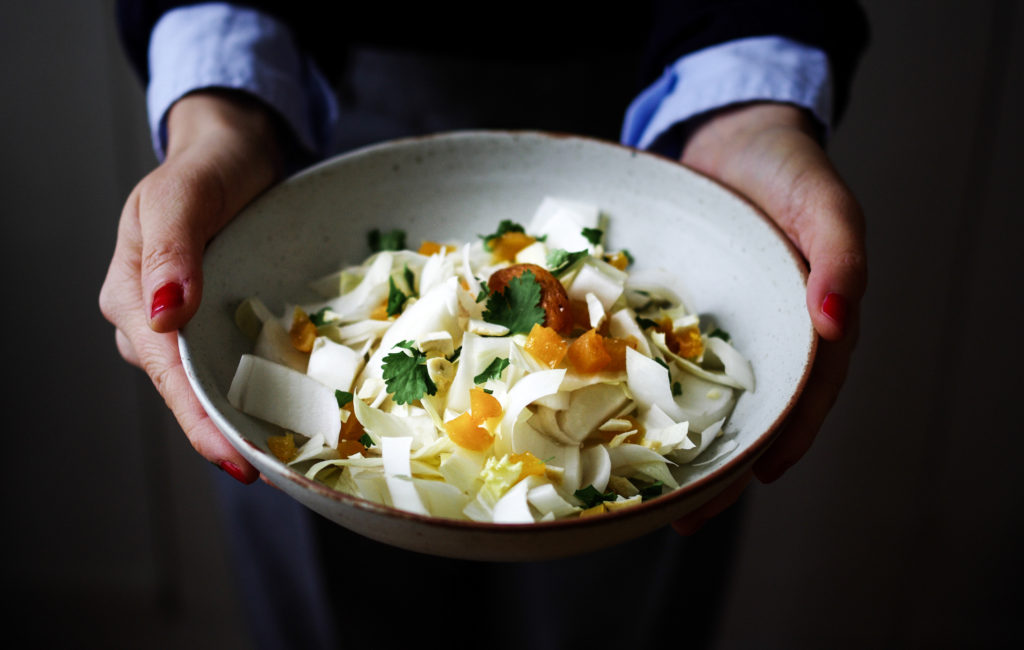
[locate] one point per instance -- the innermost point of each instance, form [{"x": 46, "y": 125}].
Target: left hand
[{"x": 768, "y": 153}]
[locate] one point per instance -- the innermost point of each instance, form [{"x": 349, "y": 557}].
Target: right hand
[{"x": 222, "y": 151}]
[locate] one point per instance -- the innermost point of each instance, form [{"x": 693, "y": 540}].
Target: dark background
[{"x": 901, "y": 528}]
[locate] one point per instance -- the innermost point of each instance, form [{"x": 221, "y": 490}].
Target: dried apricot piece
[
  {"x": 587, "y": 353},
  {"x": 433, "y": 247},
  {"x": 302, "y": 332},
  {"x": 507, "y": 246},
  {"x": 616, "y": 349},
  {"x": 283, "y": 447},
  {"x": 482, "y": 405},
  {"x": 546, "y": 346},
  {"x": 348, "y": 448},
  {"x": 466, "y": 433},
  {"x": 532, "y": 466}
]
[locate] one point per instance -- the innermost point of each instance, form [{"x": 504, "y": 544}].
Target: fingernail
[
  {"x": 834, "y": 306},
  {"x": 168, "y": 296},
  {"x": 233, "y": 471}
]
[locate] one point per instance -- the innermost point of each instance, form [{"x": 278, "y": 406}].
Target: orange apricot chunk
[
  {"x": 619, "y": 260},
  {"x": 433, "y": 247},
  {"x": 348, "y": 448},
  {"x": 616, "y": 349},
  {"x": 587, "y": 354},
  {"x": 466, "y": 433},
  {"x": 688, "y": 343},
  {"x": 507, "y": 246},
  {"x": 302, "y": 332},
  {"x": 380, "y": 312},
  {"x": 283, "y": 447},
  {"x": 482, "y": 405},
  {"x": 546, "y": 346},
  {"x": 532, "y": 466},
  {"x": 351, "y": 429}
]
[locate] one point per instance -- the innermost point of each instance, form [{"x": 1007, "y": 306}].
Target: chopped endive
[{"x": 499, "y": 406}]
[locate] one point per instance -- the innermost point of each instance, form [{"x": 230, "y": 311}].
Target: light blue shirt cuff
[
  {"x": 763, "y": 68},
  {"x": 216, "y": 45}
]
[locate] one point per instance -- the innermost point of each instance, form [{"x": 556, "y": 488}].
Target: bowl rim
[{"x": 716, "y": 480}]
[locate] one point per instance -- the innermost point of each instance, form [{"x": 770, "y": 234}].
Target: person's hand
[
  {"x": 768, "y": 153},
  {"x": 222, "y": 151}
]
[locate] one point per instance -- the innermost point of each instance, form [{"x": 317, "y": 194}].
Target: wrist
[
  {"x": 226, "y": 123},
  {"x": 727, "y": 131}
]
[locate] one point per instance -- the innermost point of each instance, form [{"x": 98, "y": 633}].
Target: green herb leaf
[
  {"x": 410, "y": 281},
  {"x": 720, "y": 334},
  {"x": 455, "y": 355},
  {"x": 593, "y": 235},
  {"x": 395, "y": 298},
  {"x": 492, "y": 371},
  {"x": 644, "y": 323},
  {"x": 518, "y": 306},
  {"x": 366, "y": 440},
  {"x": 629, "y": 256},
  {"x": 559, "y": 260},
  {"x": 663, "y": 365},
  {"x": 505, "y": 226},
  {"x": 591, "y": 497},
  {"x": 651, "y": 491},
  {"x": 677, "y": 389},
  {"x": 343, "y": 397},
  {"x": 406, "y": 376},
  {"x": 319, "y": 319},
  {"x": 484, "y": 292},
  {"x": 392, "y": 240}
]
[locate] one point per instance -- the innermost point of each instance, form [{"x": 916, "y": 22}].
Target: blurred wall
[{"x": 900, "y": 529}]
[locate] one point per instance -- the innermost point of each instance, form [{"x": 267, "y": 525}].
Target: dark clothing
[{"x": 657, "y": 31}]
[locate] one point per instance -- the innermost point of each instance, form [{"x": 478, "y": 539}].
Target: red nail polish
[
  {"x": 169, "y": 296},
  {"x": 834, "y": 306},
  {"x": 233, "y": 471}
]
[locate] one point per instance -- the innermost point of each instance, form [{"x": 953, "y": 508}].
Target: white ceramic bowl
[{"x": 730, "y": 260}]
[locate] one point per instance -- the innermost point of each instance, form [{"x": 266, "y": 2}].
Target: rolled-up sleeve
[
  {"x": 216, "y": 45},
  {"x": 764, "y": 68}
]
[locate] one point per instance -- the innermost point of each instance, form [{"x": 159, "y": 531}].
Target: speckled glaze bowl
[{"x": 730, "y": 261}]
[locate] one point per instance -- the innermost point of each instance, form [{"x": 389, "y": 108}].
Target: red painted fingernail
[
  {"x": 169, "y": 296},
  {"x": 834, "y": 306},
  {"x": 234, "y": 471}
]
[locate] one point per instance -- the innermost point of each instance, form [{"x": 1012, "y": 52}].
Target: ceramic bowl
[{"x": 730, "y": 261}]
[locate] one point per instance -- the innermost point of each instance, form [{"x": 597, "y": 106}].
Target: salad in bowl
[{"x": 526, "y": 375}]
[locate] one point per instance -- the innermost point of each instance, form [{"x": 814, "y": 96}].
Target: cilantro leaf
[
  {"x": 366, "y": 440},
  {"x": 593, "y": 235},
  {"x": 505, "y": 226},
  {"x": 720, "y": 334},
  {"x": 455, "y": 355},
  {"x": 629, "y": 256},
  {"x": 319, "y": 319},
  {"x": 410, "y": 280},
  {"x": 518, "y": 306},
  {"x": 644, "y": 323},
  {"x": 392, "y": 240},
  {"x": 651, "y": 491},
  {"x": 677, "y": 389},
  {"x": 406, "y": 376},
  {"x": 492, "y": 371},
  {"x": 591, "y": 497},
  {"x": 395, "y": 298},
  {"x": 559, "y": 260},
  {"x": 343, "y": 397}
]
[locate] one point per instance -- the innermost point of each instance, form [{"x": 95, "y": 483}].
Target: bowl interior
[{"x": 730, "y": 263}]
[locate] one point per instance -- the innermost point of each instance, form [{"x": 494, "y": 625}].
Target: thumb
[{"x": 222, "y": 152}]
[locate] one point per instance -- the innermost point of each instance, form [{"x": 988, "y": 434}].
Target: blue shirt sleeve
[
  {"x": 763, "y": 68},
  {"x": 216, "y": 45}
]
